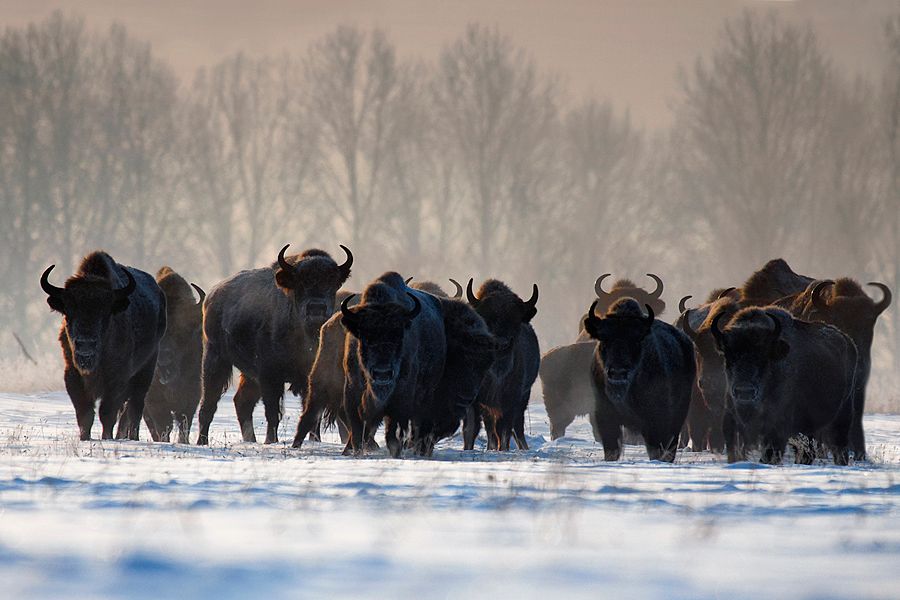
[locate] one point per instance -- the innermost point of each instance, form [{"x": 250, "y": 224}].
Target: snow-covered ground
[{"x": 143, "y": 520}]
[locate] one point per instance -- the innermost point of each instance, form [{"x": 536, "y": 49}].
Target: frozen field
[{"x": 137, "y": 519}]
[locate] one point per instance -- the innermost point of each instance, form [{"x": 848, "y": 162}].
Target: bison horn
[
  {"x": 686, "y": 324},
  {"x": 776, "y": 333},
  {"x": 885, "y": 300},
  {"x": 50, "y": 289},
  {"x": 347, "y": 315},
  {"x": 532, "y": 302},
  {"x": 726, "y": 292},
  {"x": 284, "y": 264},
  {"x": 682, "y": 303},
  {"x": 650, "y": 315},
  {"x": 598, "y": 286},
  {"x": 592, "y": 314},
  {"x": 659, "y": 286},
  {"x": 417, "y": 307},
  {"x": 459, "y": 289},
  {"x": 470, "y": 295},
  {"x": 345, "y": 268},
  {"x": 714, "y": 328},
  {"x": 200, "y": 292},
  {"x": 129, "y": 287},
  {"x": 408, "y": 279},
  {"x": 818, "y": 301}
]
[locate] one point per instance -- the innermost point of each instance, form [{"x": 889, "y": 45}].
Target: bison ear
[
  {"x": 351, "y": 325},
  {"x": 56, "y": 303},
  {"x": 780, "y": 349},
  {"x": 120, "y": 304},
  {"x": 286, "y": 279},
  {"x": 529, "y": 313}
]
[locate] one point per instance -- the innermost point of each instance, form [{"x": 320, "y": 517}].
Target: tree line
[{"x": 475, "y": 163}]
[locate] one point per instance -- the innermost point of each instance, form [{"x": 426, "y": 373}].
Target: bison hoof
[{"x": 202, "y": 440}]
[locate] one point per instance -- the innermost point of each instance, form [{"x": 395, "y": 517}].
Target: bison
[
  {"x": 175, "y": 391},
  {"x": 266, "y": 323},
  {"x": 708, "y": 398},
  {"x": 393, "y": 360},
  {"x": 503, "y": 396},
  {"x": 844, "y": 304},
  {"x": 326, "y": 379},
  {"x": 566, "y": 381},
  {"x": 643, "y": 375},
  {"x": 773, "y": 281},
  {"x": 113, "y": 320},
  {"x": 786, "y": 378}
]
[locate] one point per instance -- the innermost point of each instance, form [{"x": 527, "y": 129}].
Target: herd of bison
[{"x": 783, "y": 359}]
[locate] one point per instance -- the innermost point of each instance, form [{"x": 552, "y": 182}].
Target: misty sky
[{"x": 626, "y": 50}]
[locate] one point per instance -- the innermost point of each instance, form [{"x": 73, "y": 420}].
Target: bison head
[
  {"x": 751, "y": 344},
  {"x": 88, "y": 303},
  {"x": 843, "y": 303},
  {"x": 625, "y": 288},
  {"x": 380, "y": 329},
  {"x": 311, "y": 280},
  {"x": 620, "y": 334}
]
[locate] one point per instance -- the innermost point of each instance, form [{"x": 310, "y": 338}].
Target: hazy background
[{"x": 531, "y": 141}]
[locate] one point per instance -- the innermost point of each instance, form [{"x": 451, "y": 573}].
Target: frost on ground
[{"x": 143, "y": 520}]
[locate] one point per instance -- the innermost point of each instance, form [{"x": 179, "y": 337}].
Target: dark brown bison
[
  {"x": 643, "y": 374},
  {"x": 566, "y": 381},
  {"x": 773, "y": 281},
  {"x": 786, "y": 379},
  {"x": 113, "y": 319},
  {"x": 266, "y": 323},
  {"x": 708, "y": 398},
  {"x": 503, "y": 396},
  {"x": 844, "y": 304},
  {"x": 393, "y": 360},
  {"x": 175, "y": 391}
]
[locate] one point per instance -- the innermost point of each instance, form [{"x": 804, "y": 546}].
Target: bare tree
[{"x": 749, "y": 128}]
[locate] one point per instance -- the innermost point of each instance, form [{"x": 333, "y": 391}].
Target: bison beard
[
  {"x": 266, "y": 323},
  {"x": 114, "y": 318}
]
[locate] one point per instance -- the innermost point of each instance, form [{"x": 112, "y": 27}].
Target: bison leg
[
  {"x": 110, "y": 407},
  {"x": 216, "y": 374},
  {"x": 272, "y": 393},
  {"x": 595, "y": 427},
  {"x": 391, "y": 439},
  {"x": 134, "y": 407},
  {"x": 245, "y": 399},
  {"x": 560, "y": 414},
  {"x": 772, "y": 451},
  {"x": 663, "y": 448},
  {"x": 610, "y": 433},
  {"x": 471, "y": 427},
  {"x": 157, "y": 416},
  {"x": 519, "y": 431},
  {"x": 857, "y": 434},
  {"x": 733, "y": 442},
  {"x": 83, "y": 404},
  {"x": 184, "y": 420}
]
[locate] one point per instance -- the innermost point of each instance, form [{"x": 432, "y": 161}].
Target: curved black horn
[
  {"x": 686, "y": 324},
  {"x": 408, "y": 279},
  {"x": 725, "y": 292},
  {"x": 417, "y": 307},
  {"x": 348, "y": 315},
  {"x": 470, "y": 295},
  {"x": 459, "y": 289},
  {"x": 598, "y": 286},
  {"x": 817, "y": 299},
  {"x": 129, "y": 287},
  {"x": 532, "y": 302},
  {"x": 282, "y": 262},
  {"x": 682, "y": 304},
  {"x": 777, "y": 332},
  {"x": 659, "y": 286},
  {"x": 200, "y": 292},
  {"x": 885, "y": 300},
  {"x": 49, "y": 288},
  {"x": 714, "y": 327},
  {"x": 650, "y": 315},
  {"x": 345, "y": 268},
  {"x": 591, "y": 316}
]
